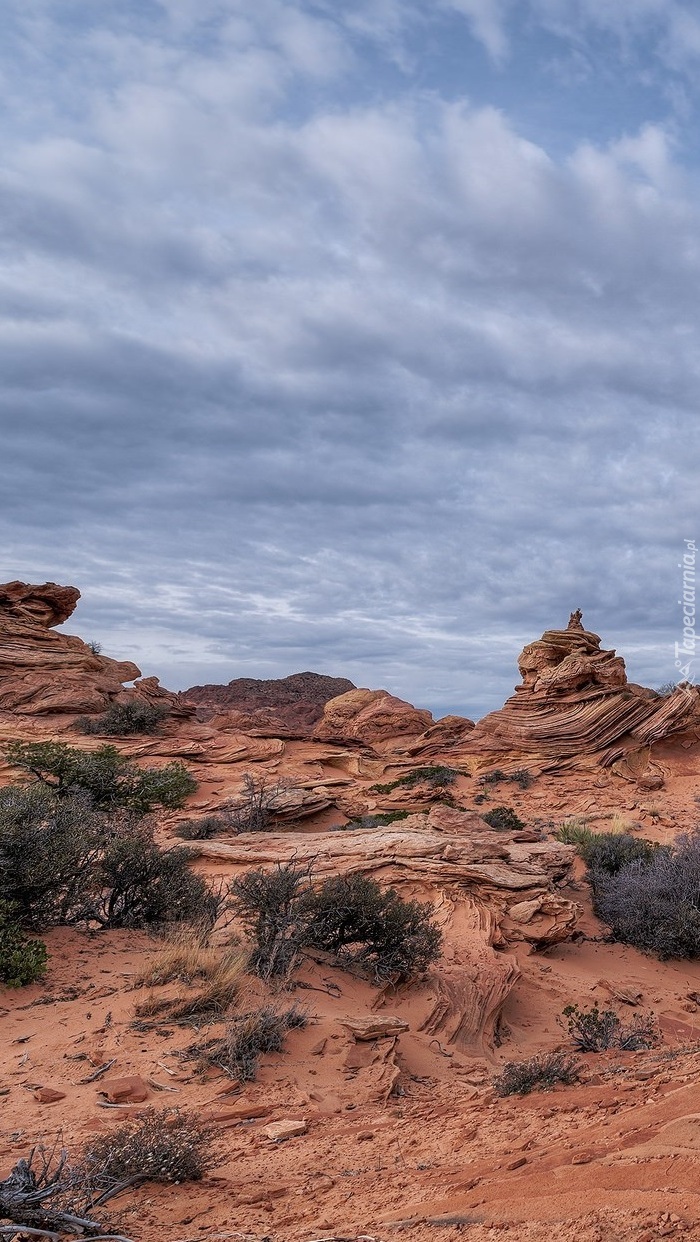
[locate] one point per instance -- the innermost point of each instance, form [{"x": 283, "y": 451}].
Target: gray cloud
[{"x": 301, "y": 372}]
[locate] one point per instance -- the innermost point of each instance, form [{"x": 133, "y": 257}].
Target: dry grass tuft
[{"x": 187, "y": 958}]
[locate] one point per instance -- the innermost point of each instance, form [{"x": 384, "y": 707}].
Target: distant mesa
[{"x": 278, "y": 707}]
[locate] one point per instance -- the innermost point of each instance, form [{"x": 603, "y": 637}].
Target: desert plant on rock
[
  {"x": 160, "y": 1145},
  {"x": 574, "y": 832},
  {"x": 257, "y": 806},
  {"x": 108, "y": 777},
  {"x": 539, "y": 1073},
  {"x": 504, "y": 819},
  {"x": 203, "y": 829},
  {"x": 22, "y": 960},
  {"x": 124, "y": 719},
  {"x": 437, "y": 776},
  {"x": 596, "y": 1030}
]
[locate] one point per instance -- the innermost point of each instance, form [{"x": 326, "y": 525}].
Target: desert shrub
[
  {"x": 574, "y": 832},
  {"x": 248, "y": 1036},
  {"x": 123, "y": 719},
  {"x": 380, "y": 820},
  {"x": 353, "y": 917},
  {"x": 269, "y": 905},
  {"x": 48, "y": 849},
  {"x": 436, "y": 775},
  {"x": 110, "y": 779},
  {"x": 539, "y": 1073},
  {"x": 504, "y": 819},
  {"x": 521, "y": 777},
  {"x": 136, "y": 884},
  {"x": 596, "y": 1030},
  {"x": 611, "y": 851},
  {"x": 655, "y": 904},
  {"x": 161, "y": 1145},
  {"x": 258, "y": 805},
  {"x": 62, "y": 862},
  {"x": 203, "y": 829},
  {"x": 22, "y": 960}
]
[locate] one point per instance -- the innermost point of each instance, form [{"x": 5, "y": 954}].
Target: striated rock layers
[
  {"x": 489, "y": 890},
  {"x": 575, "y": 700},
  {"x": 45, "y": 673}
]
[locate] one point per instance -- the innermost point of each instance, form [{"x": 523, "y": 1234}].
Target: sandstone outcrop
[
  {"x": 489, "y": 891},
  {"x": 369, "y": 716},
  {"x": 45, "y": 673},
  {"x": 575, "y": 700}
]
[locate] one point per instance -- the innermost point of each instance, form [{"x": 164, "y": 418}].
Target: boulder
[{"x": 370, "y": 716}]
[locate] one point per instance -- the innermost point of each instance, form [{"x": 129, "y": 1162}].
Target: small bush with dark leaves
[
  {"x": 540, "y": 1073},
  {"x": 203, "y": 829},
  {"x": 161, "y": 1145},
  {"x": 504, "y": 819},
  {"x": 22, "y": 960},
  {"x": 611, "y": 851},
  {"x": 124, "y": 719},
  {"x": 269, "y": 905},
  {"x": 110, "y": 779},
  {"x": 362, "y": 923},
  {"x": 596, "y": 1030}
]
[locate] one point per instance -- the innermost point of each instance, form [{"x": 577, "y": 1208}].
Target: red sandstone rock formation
[
  {"x": 42, "y": 672},
  {"x": 370, "y": 716},
  {"x": 575, "y": 700}
]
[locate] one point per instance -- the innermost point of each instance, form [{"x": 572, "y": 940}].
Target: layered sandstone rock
[
  {"x": 489, "y": 890},
  {"x": 45, "y": 673},
  {"x": 575, "y": 700},
  {"x": 370, "y": 716}
]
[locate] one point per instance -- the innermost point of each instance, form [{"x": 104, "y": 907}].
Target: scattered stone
[
  {"x": 375, "y": 1026},
  {"x": 582, "y": 1157},
  {"x": 517, "y": 1164},
  {"x": 286, "y": 1129},
  {"x": 132, "y": 1090},
  {"x": 48, "y": 1095}
]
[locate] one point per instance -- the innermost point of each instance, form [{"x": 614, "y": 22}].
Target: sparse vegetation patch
[{"x": 539, "y": 1073}]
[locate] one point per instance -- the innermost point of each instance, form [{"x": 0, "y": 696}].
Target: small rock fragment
[{"x": 286, "y": 1129}]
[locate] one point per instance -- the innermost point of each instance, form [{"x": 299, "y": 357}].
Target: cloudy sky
[{"x": 358, "y": 337}]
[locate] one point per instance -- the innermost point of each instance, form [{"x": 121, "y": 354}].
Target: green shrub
[
  {"x": 269, "y": 905},
  {"x": 123, "y": 719},
  {"x": 350, "y": 916},
  {"x": 521, "y": 777},
  {"x": 110, "y": 779},
  {"x": 574, "y": 832},
  {"x": 49, "y": 847},
  {"x": 611, "y": 851},
  {"x": 62, "y": 862},
  {"x": 596, "y": 1030},
  {"x": 540, "y": 1073},
  {"x": 435, "y": 775},
  {"x": 247, "y": 1037},
  {"x": 353, "y": 917},
  {"x": 380, "y": 820},
  {"x": 160, "y": 1145},
  {"x": 504, "y": 819},
  {"x": 136, "y": 884},
  {"x": 22, "y": 960}
]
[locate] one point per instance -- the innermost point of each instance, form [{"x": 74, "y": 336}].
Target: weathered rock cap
[{"x": 375, "y": 1026}]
